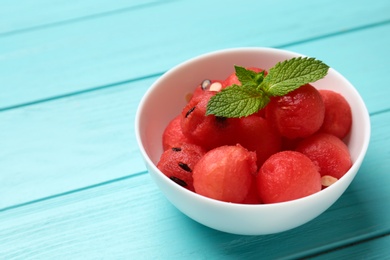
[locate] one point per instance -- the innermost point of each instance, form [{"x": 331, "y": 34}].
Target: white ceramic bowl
[{"x": 166, "y": 98}]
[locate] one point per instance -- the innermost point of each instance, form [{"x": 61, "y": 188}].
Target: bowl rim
[{"x": 142, "y": 104}]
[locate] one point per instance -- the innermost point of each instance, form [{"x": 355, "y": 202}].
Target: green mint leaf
[
  {"x": 289, "y": 75},
  {"x": 256, "y": 89},
  {"x": 237, "y": 101},
  {"x": 249, "y": 77}
]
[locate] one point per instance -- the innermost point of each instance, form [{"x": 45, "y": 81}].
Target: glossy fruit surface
[
  {"x": 338, "y": 115},
  {"x": 286, "y": 176},
  {"x": 225, "y": 173},
  {"x": 173, "y": 135},
  {"x": 328, "y": 152},
  {"x": 256, "y": 134},
  {"x": 300, "y": 113}
]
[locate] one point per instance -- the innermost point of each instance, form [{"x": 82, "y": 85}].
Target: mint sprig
[{"x": 256, "y": 89}]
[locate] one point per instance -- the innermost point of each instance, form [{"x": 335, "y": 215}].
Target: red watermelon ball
[
  {"x": 256, "y": 134},
  {"x": 173, "y": 135},
  {"x": 299, "y": 113},
  {"x": 178, "y": 163},
  {"x": 287, "y": 175},
  {"x": 338, "y": 115},
  {"x": 328, "y": 152},
  {"x": 225, "y": 173},
  {"x": 207, "y": 131}
]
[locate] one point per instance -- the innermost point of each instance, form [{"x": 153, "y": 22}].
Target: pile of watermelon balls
[{"x": 290, "y": 149}]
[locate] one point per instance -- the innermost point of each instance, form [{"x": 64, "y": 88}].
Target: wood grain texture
[{"x": 70, "y": 57}]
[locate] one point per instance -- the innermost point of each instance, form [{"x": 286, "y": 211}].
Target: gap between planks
[
  {"x": 73, "y": 191},
  {"x": 337, "y": 33},
  {"x": 351, "y": 244},
  {"x": 348, "y": 243},
  {"x": 80, "y": 92}
]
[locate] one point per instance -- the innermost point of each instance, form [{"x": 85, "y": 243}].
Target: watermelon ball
[
  {"x": 225, "y": 173},
  {"x": 256, "y": 134},
  {"x": 173, "y": 135},
  {"x": 207, "y": 131},
  {"x": 299, "y": 113},
  {"x": 178, "y": 163},
  {"x": 328, "y": 152},
  {"x": 287, "y": 175},
  {"x": 338, "y": 115}
]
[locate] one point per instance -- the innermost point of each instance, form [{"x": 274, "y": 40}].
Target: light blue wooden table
[{"x": 72, "y": 181}]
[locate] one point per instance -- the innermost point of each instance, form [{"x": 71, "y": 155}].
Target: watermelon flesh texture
[
  {"x": 297, "y": 114},
  {"x": 328, "y": 152},
  {"x": 338, "y": 115},
  {"x": 287, "y": 175},
  {"x": 225, "y": 173},
  {"x": 178, "y": 163}
]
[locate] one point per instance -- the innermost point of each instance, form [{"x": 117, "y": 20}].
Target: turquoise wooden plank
[
  {"x": 131, "y": 218},
  {"x": 69, "y": 143},
  {"x": 17, "y": 17},
  {"x": 372, "y": 249},
  {"x": 40, "y": 64}
]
